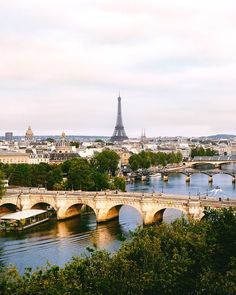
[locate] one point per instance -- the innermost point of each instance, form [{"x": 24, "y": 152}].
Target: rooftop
[{"x": 23, "y": 214}]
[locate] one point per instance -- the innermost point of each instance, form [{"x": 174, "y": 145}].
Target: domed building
[
  {"x": 63, "y": 151},
  {"x": 29, "y": 135},
  {"x": 63, "y": 145}
]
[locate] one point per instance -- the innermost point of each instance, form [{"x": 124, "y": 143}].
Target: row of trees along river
[{"x": 80, "y": 174}]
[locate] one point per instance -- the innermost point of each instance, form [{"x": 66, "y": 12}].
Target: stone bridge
[
  {"x": 188, "y": 172},
  {"x": 106, "y": 205},
  {"x": 216, "y": 161}
]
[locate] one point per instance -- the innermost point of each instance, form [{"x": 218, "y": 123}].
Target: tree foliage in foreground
[{"x": 181, "y": 258}]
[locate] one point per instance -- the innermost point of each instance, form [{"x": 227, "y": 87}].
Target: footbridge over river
[{"x": 106, "y": 205}]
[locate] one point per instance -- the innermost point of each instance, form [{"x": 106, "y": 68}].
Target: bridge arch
[
  {"x": 42, "y": 205},
  {"x": 8, "y": 208},
  {"x": 157, "y": 215},
  {"x": 113, "y": 211},
  {"x": 74, "y": 209},
  {"x": 45, "y": 206}
]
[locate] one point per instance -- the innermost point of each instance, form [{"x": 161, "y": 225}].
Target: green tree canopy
[
  {"x": 21, "y": 175},
  {"x": 201, "y": 152},
  {"x": 55, "y": 179},
  {"x": 145, "y": 159},
  {"x": 80, "y": 175},
  {"x": 119, "y": 183},
  {"x": 106, "y": 162},
  {"x": 77, "y": 144}
]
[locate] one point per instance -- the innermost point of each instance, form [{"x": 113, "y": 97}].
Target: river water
[{"x": 57, "y": 242}]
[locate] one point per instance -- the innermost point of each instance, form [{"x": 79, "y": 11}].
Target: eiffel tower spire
[{"x": 119, "y": 132}]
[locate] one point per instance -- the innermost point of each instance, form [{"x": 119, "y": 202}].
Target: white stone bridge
[
  {"x": 216, "y": 161},
  {"x": 106, "y": 205}
]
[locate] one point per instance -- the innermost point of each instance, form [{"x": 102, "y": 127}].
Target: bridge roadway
[{"x": 106, "y": 205}]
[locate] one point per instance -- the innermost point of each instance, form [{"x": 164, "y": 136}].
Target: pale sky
[{"x": 63, "y": 63}]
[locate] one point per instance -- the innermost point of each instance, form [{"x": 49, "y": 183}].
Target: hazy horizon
[{"x": 64, "y": 62}]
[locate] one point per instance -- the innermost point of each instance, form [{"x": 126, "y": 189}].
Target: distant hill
[{"x": 222, "y": 136}]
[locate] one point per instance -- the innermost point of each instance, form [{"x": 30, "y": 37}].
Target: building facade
[{"x": 11, "y": 157}]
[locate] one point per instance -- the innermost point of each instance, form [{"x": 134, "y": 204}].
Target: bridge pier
[
  {"x": 210, "y": 179},
  {"x": 195, "y": 210},
  {"x": 165, "y": 178},
  {"x": 148, "y": 218},
  {"x": 68, "y": 213},
  {"x": 104, "y": 215},
  {"x": 143, "y": 177},
  {"x": 151, "y": 217},
  {"x": 187, "y": 179}
]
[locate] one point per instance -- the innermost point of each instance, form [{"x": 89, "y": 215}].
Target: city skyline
[{"x": 63, "y": 64}]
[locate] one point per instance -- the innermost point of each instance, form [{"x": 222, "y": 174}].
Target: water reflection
[{"x": 56, "y": 242}]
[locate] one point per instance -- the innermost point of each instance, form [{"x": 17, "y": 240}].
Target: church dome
[
  {"x": 63, "y": 145},
  {"x": 29, "y": 134}
]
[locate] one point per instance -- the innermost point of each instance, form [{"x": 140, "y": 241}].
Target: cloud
[{"x": 171, "y": 60}]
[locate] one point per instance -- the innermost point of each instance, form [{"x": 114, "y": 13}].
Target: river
[{"x": 57, "y": 242}]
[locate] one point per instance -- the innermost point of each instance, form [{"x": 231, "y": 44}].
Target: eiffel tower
[{"x": 119, "y": 132}]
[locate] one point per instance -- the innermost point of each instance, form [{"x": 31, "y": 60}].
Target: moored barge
[{"x": 21, "y": 220}]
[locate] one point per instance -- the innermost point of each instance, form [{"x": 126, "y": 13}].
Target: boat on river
[
  {"x": 155, "y": 175},
  {"x": 21, "y": 220}
]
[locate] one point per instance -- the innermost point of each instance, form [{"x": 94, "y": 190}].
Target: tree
[
  {"x": 119, "y": 183},
  {"x": 106, "y": 162},
  {"x": 80, "y": 175},
  {"x": 77, "y": 144},
  {"x": 39, "y": 174},
  {"x": 55, "y": 179},
  {"x": 145, "y": 160},
  {"x": 201, "y": 152},
  {"x": 101, "y": 180},
  {"x": 21, "y": 175}
]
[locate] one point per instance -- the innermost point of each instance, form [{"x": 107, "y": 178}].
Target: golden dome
[{"x": 29, "y": 133}]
